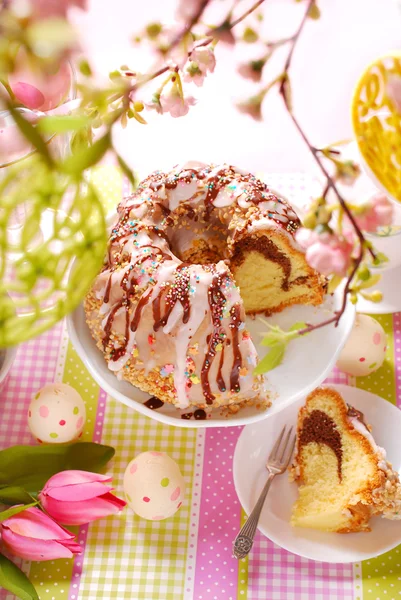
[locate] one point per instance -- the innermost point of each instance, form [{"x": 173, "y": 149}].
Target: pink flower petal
[
  {"x": 73, "y": 477},
  {"x": 33, "y": 549},
  {"x": 77, "y": 492},
  {"x": 85, "y": 511},
  {"x": 33, "y": 523},
  {"x": 28, "y": 95}
]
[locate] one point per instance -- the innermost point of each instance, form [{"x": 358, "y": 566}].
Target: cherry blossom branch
[
  {"x": 330, "y": 183},
  {"x": 208, "y": 40}
]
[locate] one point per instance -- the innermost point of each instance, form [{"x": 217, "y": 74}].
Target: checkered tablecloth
[{"x": 189, "y": 555}]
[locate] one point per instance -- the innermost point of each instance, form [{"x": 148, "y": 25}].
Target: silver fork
[{"x": 277, "y": 463}]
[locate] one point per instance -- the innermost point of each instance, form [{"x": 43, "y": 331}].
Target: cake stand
[{"x": 307, "y": 362}]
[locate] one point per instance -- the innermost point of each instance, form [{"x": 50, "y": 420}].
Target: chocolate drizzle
[
  {"x": 320, "y": 428},
  {"x": 154, "y": 403},
  {"x": 199, "y": 415},
  {"x": 108, "y": 289},
  {"x": 177, "y": 292},
  {"x": 214, "y": 185},
  {"x": 148, "y": 211},
  {"x": 216, "y": 301},
  {"x": 219, "y": 379},
  {"x": 235, "y": 322},
  {"x": 353, "y": 412}
]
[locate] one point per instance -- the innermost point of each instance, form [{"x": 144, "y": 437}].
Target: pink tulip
[
  {"x": 32, "y": 535},
  {"x": 78, "y": 497},
  {"x": 37, "y": 90}
]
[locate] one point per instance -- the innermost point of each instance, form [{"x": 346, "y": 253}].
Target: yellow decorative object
[{"x": 376, "y": 118}]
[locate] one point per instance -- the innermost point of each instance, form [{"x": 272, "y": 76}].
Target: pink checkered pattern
[
  {"x": 34, "y": 366},
  {"x": 276, "y": 574},
  {"x": 83, "y": 530}
]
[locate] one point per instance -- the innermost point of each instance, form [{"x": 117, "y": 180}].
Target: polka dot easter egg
[
  {"x": 154, "y": 486},
  {"x": 56, "y": 414},
  {"x": 365, "y": 349}
]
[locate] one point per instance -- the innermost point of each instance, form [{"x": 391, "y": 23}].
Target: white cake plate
[
  {"x": 390, "y": 287},
  {"x": 251, "y": 452},
  {"x": 307, "y": 362}
]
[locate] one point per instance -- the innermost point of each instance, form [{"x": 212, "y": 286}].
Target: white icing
[{"x": 182, "y": 192}]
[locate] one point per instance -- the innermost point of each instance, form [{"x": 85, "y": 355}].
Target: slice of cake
[{"x": 343, "y": 475}]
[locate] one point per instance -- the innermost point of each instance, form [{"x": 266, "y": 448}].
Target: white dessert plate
[
  {"x": 253, "y": 447},
  {"x": 306, "y": 364}
]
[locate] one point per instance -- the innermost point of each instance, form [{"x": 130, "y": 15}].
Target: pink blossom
[
  {"x": 174, "y": 104},
  {"x": 252, "y": 70},
  {"x": 202, "y": 62},
  {"x": 188, "y": 8},
  {"x": 252, "y": 107},
  {"x": 32, "y": 535},
  {"x": 78, "y": 497},
  {"x": 379, "y": 213},
  {"x": 394, "y": 91},
  {"x": 43, "y": 9},
  {"x": 327, "y": 252},
  {"x": 37, "y": 90}
]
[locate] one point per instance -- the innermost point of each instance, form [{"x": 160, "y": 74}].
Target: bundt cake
[
  {"x": 344, "y": 476},
  {"x": 166, "y": 309}
]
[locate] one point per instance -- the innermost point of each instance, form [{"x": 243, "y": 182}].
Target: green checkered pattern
[{"x": 127, "y": 557}]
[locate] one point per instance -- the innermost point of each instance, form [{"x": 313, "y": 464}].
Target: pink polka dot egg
[
  {"x": 56, "y": 414},
  {"x": 154, "y": 486},
  {"x": 365, "y": 349}
]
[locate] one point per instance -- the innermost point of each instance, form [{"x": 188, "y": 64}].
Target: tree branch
[{"x": 330, "y": 183}]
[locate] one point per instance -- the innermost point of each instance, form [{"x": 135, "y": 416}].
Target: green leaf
[
  {"x": 297, "y": 326},
  {"x": 127, "y": 171},
  {"x": 31, "y": 466},
  {"x": 273, "y": 338},
  {"x": 15, "y": 581},
  {"x": 373, "y": 280},
  {"x": 334, "y": 283},
  {"x": 271, "y": 360},
  {"x": 84, "y": 158},
  {"x": 10, "y": 512},
  {"x": 62, "y": 123},
  {"x": 31, "y": 134},
  {"x": 11, "y": 495}
]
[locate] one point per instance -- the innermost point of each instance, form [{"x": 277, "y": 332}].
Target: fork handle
[{"x": 244, "y": 540}]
